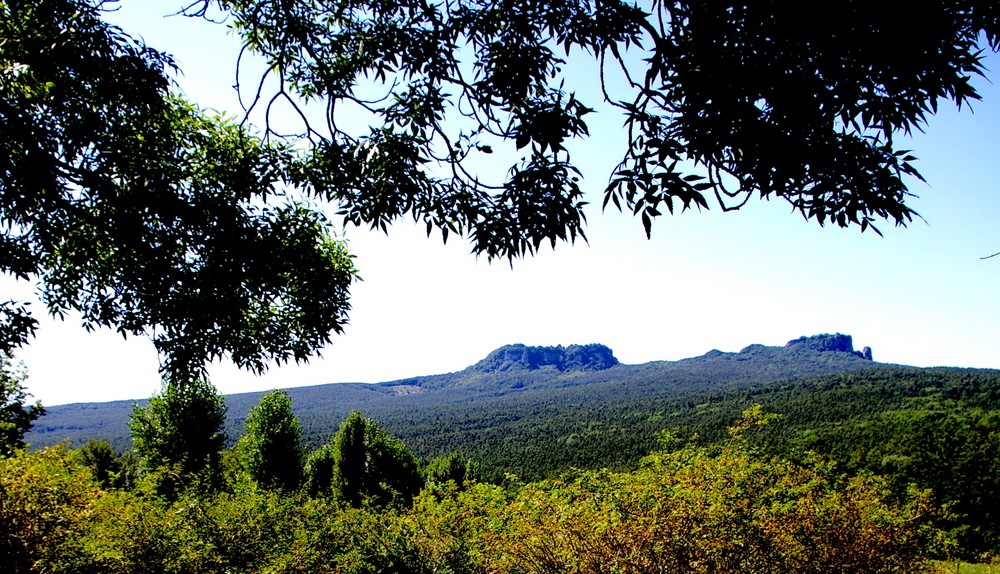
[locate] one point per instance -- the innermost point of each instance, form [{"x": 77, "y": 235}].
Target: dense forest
[
  {"x": 530, "y": 418},
  {"x": 361, "y": 503}
]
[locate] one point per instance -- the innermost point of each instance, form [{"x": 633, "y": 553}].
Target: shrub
[
  {"x": 46, "y": 504},
  {"x": 689, "y": 511}
]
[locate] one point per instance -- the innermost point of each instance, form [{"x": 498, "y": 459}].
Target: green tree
[
  {"x": 110, "y": 470},
  {"x": 453, "y": 467},
  {"x": 271, "y": 448},
  {"x": 148, "y": 215},
  {"x": 723, "y": 100},
  {"x": 179, "y": 434},
  {"x": 957, "y": 455},
  {"x": 364, "y": 463},
  {"x": 318, "y": 470},
  {"x": 15, "y": 415}
]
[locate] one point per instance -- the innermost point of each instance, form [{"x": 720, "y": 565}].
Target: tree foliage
[
  {"x": 146, "y": 214},
  {"x": 735, "y": 511},
  {"x": 453, "y": 468},
  {"x": 363, "y": 463},
  {"x": 109, "y": 469},
  {"x": 681, "y": 511},
  {"x": 271, "y": 447},
  {"x": 719, "y": 99},
  {"x": 15, "y": 415},
  {"x": 179, "y": 434}
]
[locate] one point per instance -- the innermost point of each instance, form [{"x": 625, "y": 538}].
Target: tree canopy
[
  {"x": 15, "y": 414},
  {"x": 179, "y": 434},
  {"x": 149, "y": 215},
  {"x": 271, "y": 447},
  {"x": 143, "y": 213},
  {"x": 362, "y": 462}
]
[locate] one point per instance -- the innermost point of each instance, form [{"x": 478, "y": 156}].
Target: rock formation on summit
[
  {"x": 571, "y": 358},
  {"x": 827, "y": 342}
]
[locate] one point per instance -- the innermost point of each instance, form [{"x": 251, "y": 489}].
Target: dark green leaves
[
  {"x": 362, "y": 463},
  {"x": 16, "y": 415},
  {"x": 146, "y": 214},
  {"x": 180, "y": 431},
  {"x": 460, "y": 80},
  {"x": 759, "y": 99},
  {"x": 777, "y": 99},
  {"x": 271, "y": 448}
]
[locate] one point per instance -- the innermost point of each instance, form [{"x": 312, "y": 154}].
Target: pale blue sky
[{"x": 918, "y": 296}]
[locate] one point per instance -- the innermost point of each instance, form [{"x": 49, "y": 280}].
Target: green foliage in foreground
[
  {"x": 179, "y": 434},
  {"x": 683, "y": 510},
  {"x": 15, "y": 415},
  {"x": 936, "y": 428},
  {"x": 271, "y": 448},
  {"x": 362, "y": 463}
]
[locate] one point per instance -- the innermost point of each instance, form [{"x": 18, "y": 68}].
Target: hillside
[
  {"x": 537, "y": 412},
  {"x": 550, "y": 393}
]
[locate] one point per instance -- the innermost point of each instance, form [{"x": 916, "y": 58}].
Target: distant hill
[{"x": 521, "y": 382}]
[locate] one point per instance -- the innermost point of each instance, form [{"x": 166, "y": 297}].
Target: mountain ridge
[
  {"x": 528, "y": 414},
  {"x": 510, "y": 373}
]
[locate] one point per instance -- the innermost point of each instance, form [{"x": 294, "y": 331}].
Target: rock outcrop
[
  {"x": 571, "y": 358},
  {"x": 836, "y": 342}
]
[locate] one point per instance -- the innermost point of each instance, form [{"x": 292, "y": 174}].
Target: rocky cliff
[
  {"x": 827, "y": 342},
  {"x": 571, "y": 358}
]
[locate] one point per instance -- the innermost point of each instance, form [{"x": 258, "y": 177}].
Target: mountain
[
  {"x": 538, "y": 412},
  {"x": 520, "y": 381}
]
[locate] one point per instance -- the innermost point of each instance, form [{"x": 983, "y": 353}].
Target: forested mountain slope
[
  {"x": 536, "y": 412},
  {"x": 519, "y": 397}
]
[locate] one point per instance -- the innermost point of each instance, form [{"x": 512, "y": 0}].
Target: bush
[
  {"x": 46, "y": 504},
  {"x": 688, "y": 511},
  {"x": 363, "y": 464},
  {"x": 271, "y": 447}
]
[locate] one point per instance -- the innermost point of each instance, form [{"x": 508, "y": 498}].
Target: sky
[{"x": 919, "y": 295}]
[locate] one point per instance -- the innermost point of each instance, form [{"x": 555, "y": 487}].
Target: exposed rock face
[
  {"x": 826, "y": 342},
  {"x": 571, "y": 358}
]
